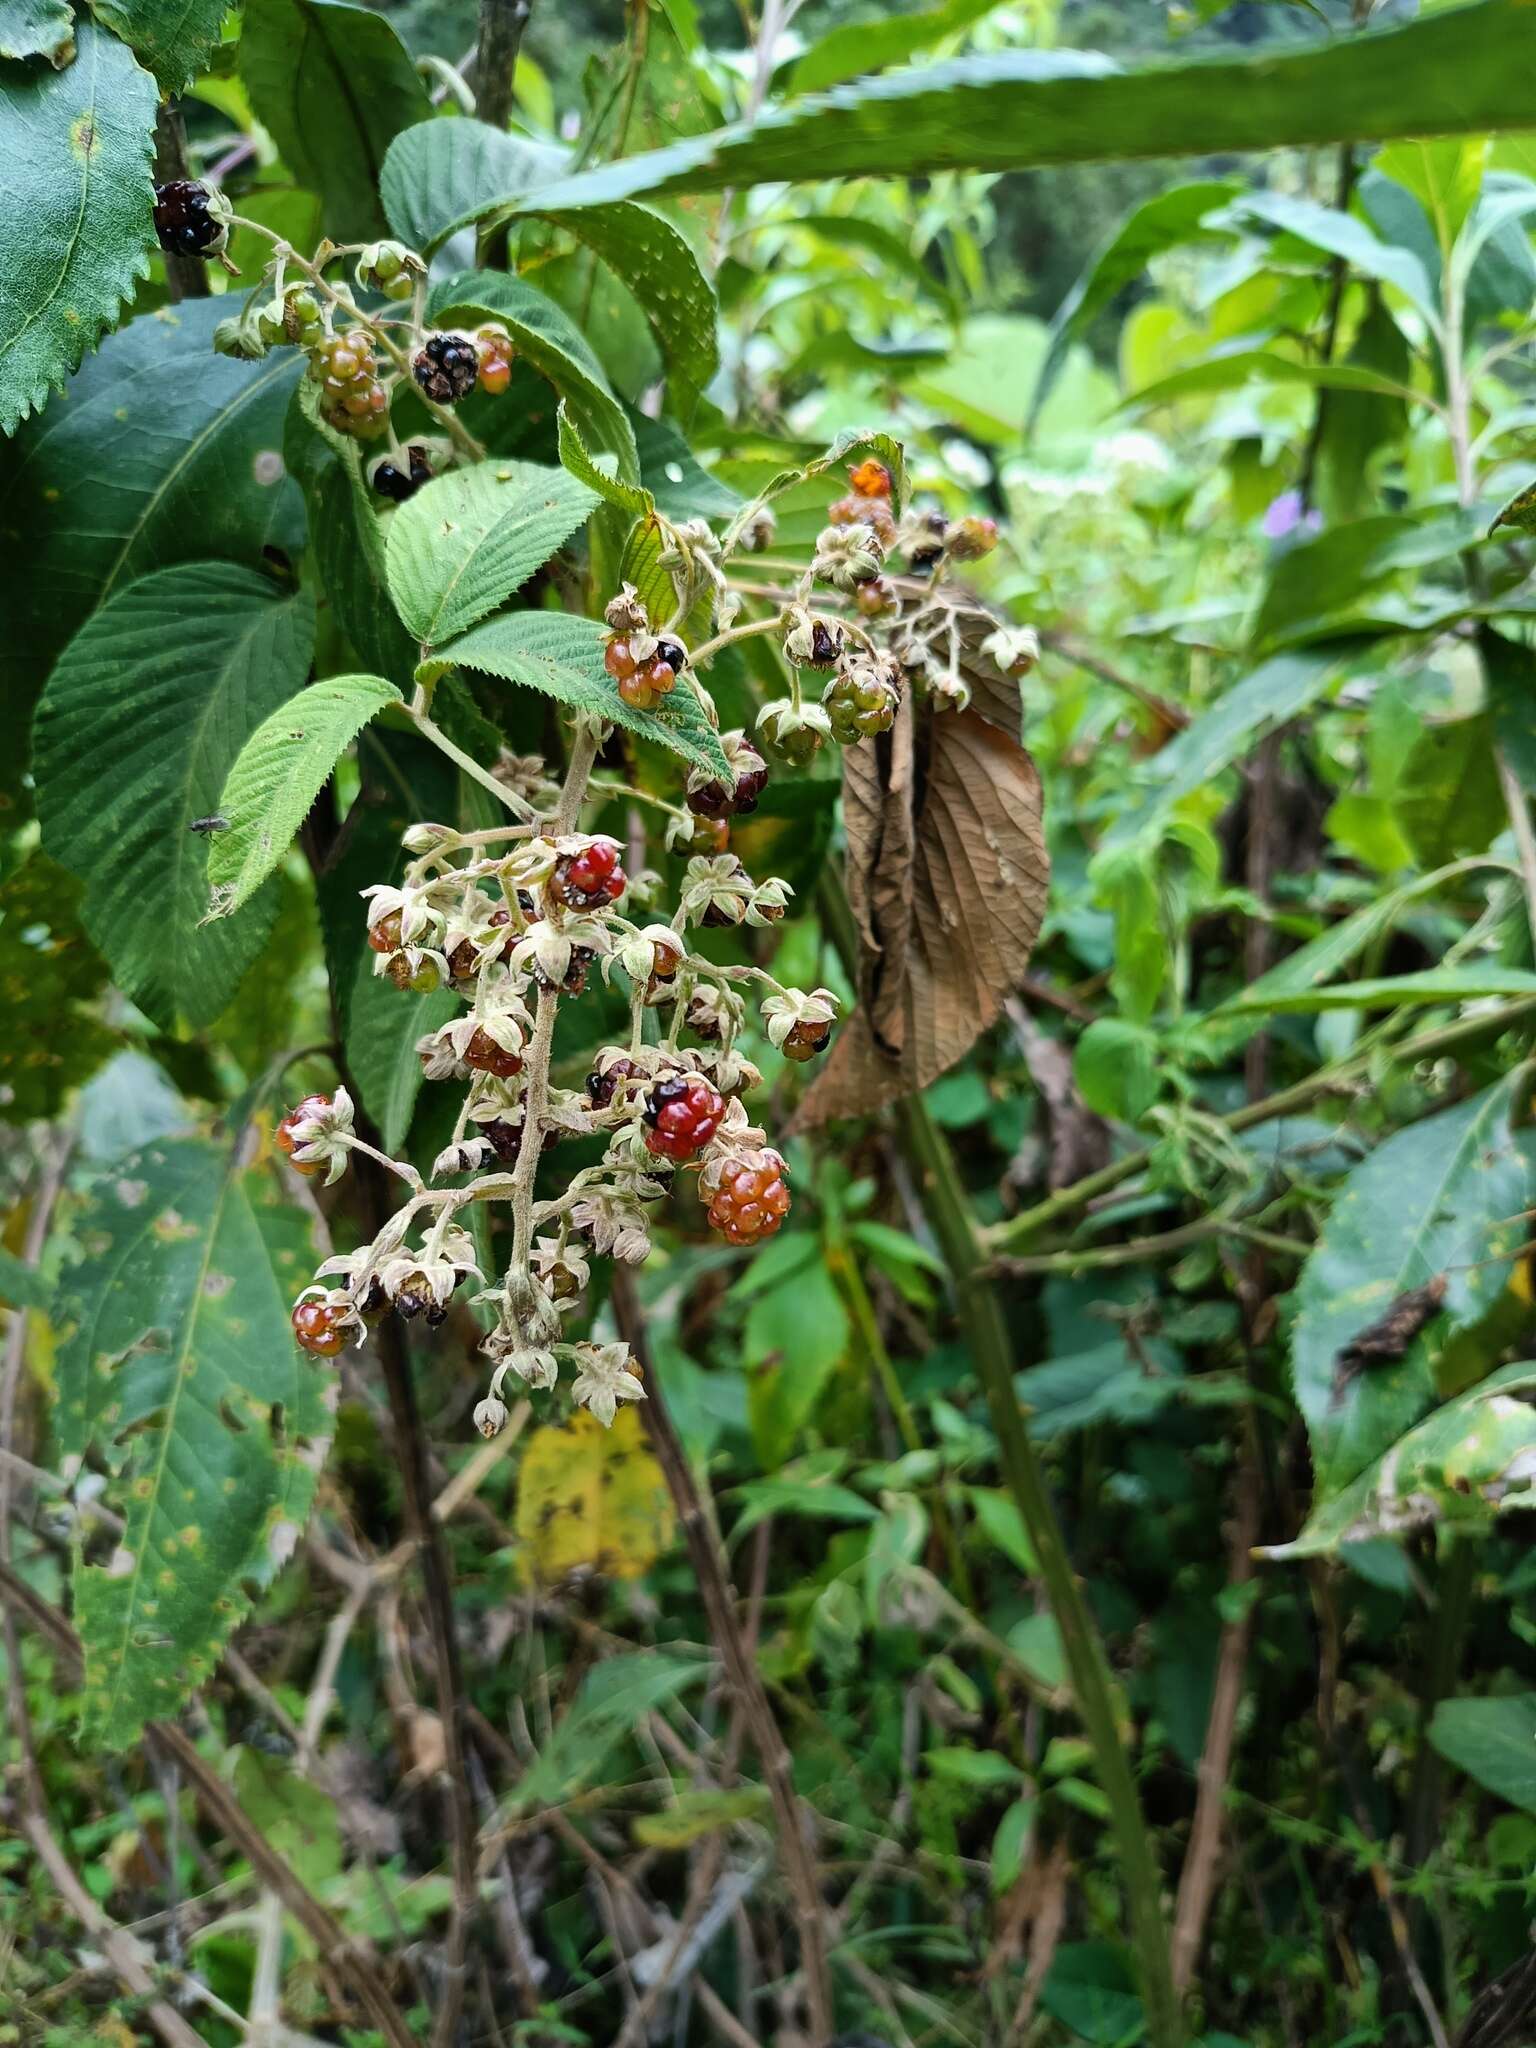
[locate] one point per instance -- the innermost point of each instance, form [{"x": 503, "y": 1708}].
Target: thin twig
[{"x": 741, "y": 1669}]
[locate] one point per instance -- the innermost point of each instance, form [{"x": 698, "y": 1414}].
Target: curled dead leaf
[{"x": 947, "y": 875}]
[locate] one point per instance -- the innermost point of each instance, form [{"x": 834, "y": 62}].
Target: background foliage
[{"x": 1120, "y": 1459}]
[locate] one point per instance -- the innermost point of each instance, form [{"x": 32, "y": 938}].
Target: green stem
[
  {"x": 981, "y": 1318},
  {"x": 1018, "y": 1230},
  {"x": 1093, "y": 1688}
]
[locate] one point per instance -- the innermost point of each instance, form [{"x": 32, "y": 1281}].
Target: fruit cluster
[{"x": 510, "y": 920}]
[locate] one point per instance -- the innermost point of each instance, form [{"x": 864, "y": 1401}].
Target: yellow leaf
[{"x": 592, "y": 1499}]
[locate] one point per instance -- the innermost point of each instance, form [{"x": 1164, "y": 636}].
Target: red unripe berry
[
  {"x": 683, "y": 1113},
  {"x": 315, "y": 1324},
  {"x": 750, "y": 1203},
  {"x": 618, "y": 660},
  {"x": 483, "y": 1052},
  {"x": 286, "y": 1142}
]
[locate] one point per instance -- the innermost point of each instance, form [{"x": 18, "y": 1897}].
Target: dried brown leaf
[{"x": 947, "y": 875}]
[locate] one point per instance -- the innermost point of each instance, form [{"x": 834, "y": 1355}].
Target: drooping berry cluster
[
  {"x": 352, "y": 395},
  {"x": 510, "y": 920},
  {"x": 446, "y": 367}
]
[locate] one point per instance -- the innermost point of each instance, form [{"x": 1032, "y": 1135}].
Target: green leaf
[
  {"x": 1441, "y": 1198},
  {"x": 655, "y": 261},
  {"x": 1340, "y": 234},
  {"x": 574, "y": 455},
  {"x": 136, "y": 733},
  {"x": 1270, "y": 696},
  {"x": 795, "y": 1335},
  {"x": 1520, "y": 512},
  {"x": 1399, "y": 991},
  {"x": 1166, "y": 221},
  {"x": 76, "y": 230},
  {"x": 37, "y": 28},
  {"x": 1007, "y": 1859},
  {"x": 694, "y": 1814},
  {"x": 982, "y": 1767},
  {"x": 1240, "y": 365},
  {"x": 466, "y": 541},
  {"x": 1090, "y": 1989},
  {"x": 383, "y": 1025},
  {"x": 334, "y": 85},
  {"x": 849, "y": 447},
  {"x": 678, "y": 482},
  {"x": 22, "y": 1286},
  {"x": 1445, "y": 177},
  {"x": 1493, "y": 1741},
  {"x": 281, "y": 770},
  {"x": 173, "y": 41},
  {"x": 547, "y": 339},
  {"x": 856, "y": 47},
  {"x": 1115, "y": 1066},
  {"x": 1462, "y": 1466},
  {"x": 180, "y": 1368},
  {"x": 1019, "y": 108},
  {"x": 615, "y": 1697},
  {"x": 563, "y": 656},
  {"x": 1448, "y": 798},
  {"x": 445, "y": 175},
  {"x": 1317, "y": 581},
  {"x": 159, "y": 451},
  {"x": 49, "y": 976}
]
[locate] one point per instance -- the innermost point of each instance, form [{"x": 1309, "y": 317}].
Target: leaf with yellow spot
[
  {"x": 699, "y": 1813},
  {"x": 592, "y": 1499},
  {"x": 177, "y": 1365}
]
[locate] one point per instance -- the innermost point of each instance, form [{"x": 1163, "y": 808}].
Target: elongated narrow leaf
[
  {"x": 1270, "y": 696},
  {"x": 1463, "y": 1465},
  {"x": 552, "y": 344},
  {"x": 172, "y": 41},
  {"x": 180, "y": 1369},
  {"x": 137, "y": 731},
  {"x": 1440, "y": 1200},
  {"x": 1398, "y": 991},
  {"x": 1340, "y": 234},
  {"x": 855, "y": 47},
  {"x": 37, "y": 28},
  {"x": 466, "y": 541},
  {"x": 1243, "y": 365},
  {"x": 158, "y": 452},
  {"x": 563, "y": 657},
  {"x": 1460, "y": 72},
  {"x": 76, "y": 227},
  {"x": 280, "y": 772},
  {"x": 444, "y": 175},
  {"x": 1164, "y": 222},
  {"x": 335, "y": 85}
]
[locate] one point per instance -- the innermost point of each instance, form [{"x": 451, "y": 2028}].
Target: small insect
[{"x": 212, "y": 823}]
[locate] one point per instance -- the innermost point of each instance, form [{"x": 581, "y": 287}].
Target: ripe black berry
[
  {"x": 183, "y": 222},
  {"x": 397, "y": 484},
  {"x": 603, "y": 1081},
  {"x": 446, "y": 367},
  {"x": 673, "y": 653}
]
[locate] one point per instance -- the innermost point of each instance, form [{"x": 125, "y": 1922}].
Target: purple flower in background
[{"x": 1284, "y": 516}]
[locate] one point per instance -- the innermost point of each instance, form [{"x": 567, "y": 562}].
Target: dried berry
[
  {"x": 805, "y": 1040},
  {"x": 870, "y": 479},
  {"x": 603, "y": 1082}
]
